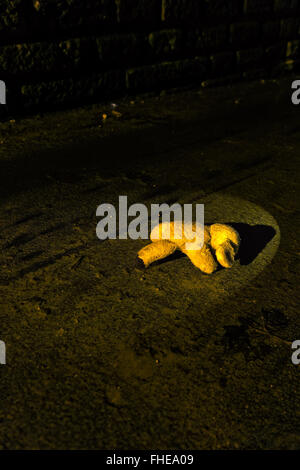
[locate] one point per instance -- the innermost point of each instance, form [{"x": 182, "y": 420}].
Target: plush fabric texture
[{"x": 220, "y": 246}]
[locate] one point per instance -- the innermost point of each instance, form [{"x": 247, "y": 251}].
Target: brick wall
[{"x": 58, "y": 52}]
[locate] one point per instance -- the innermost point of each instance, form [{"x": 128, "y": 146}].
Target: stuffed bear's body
[{"x": 221, "y": 244}]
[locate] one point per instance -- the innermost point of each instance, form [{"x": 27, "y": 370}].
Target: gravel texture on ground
[{"x": 102, "y": 355}]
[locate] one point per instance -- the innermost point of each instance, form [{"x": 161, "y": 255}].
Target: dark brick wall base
[{"x": 57, "y": 52}]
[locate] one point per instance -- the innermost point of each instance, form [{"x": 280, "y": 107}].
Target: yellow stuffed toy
[{"x": 221, "y": 244}]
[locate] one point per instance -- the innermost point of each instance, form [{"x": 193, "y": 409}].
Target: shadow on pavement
[{"x": 254, "y": 238}]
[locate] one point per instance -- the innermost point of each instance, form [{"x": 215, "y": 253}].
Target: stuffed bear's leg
[
  {"x": 156, "y": 251},
  {"x": 203, "y": 259},
  {"x": 226, "y": 242}
]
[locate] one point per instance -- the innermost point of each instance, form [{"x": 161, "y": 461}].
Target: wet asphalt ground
[{"x": 103, "y": 355}]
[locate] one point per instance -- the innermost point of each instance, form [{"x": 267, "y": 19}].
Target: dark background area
[
  {"x": 102, "y": 355},
  {"x": 57, "y": 52}
]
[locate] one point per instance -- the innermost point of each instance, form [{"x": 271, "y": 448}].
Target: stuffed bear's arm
[
  {"x": 156, "y": 251},
  {"x": 203, "y": 259}
]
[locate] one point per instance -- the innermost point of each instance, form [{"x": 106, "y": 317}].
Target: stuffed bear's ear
[
  {"x": 225, "y": 254},
  {"x": 156, "y": 251}
]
